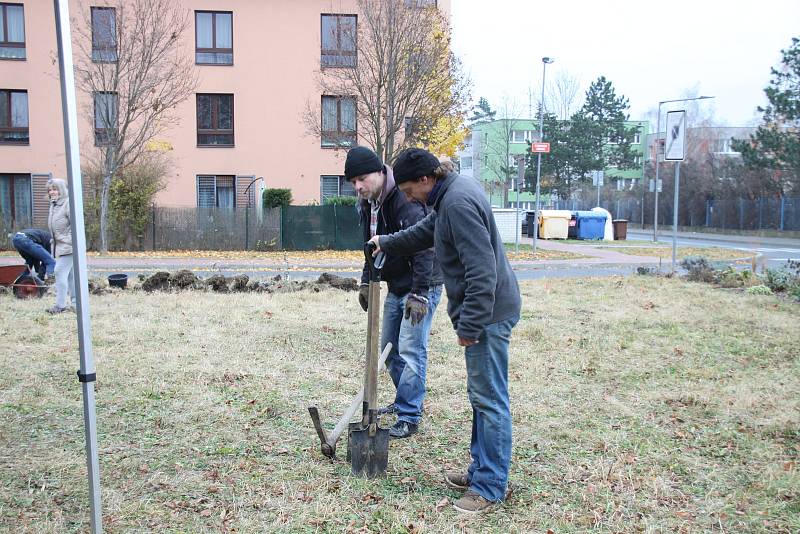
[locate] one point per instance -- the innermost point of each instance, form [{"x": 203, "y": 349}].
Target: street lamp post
[
  {"x": 545, "y": 62},
  {"x": 658, "y": 140}
]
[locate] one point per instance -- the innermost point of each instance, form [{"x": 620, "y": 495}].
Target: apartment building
[
  {"x": 256, "y": 62},
  {"x": 495, "y": 142}
]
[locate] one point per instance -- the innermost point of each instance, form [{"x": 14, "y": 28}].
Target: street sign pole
[
  {"x": 675, "y": 150},
  {"x": 675, "y": 214},
  {"x": 520, "y": 178}
]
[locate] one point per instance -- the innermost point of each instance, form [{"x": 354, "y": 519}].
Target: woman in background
[{"x": 59, "y": 223}]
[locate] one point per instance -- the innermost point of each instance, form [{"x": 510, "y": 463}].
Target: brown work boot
[
  {"x": 474, "y": 503},
  {"x": 457, "y": 480}
]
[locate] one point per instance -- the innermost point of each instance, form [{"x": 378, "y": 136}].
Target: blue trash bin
[{"x": 590, "y": 224}]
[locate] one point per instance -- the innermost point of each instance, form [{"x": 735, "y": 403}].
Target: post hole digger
[{"x": 368, "y": 443}]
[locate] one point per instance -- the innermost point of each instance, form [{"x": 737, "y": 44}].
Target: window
[
  {"x": 522, "y": 136},
  {"x": 334, "y": 186},
  {"x": 213, "y": 37},
  {"x": 466, "y": 162},
  {"x": 338, "y": 40},
  {"x": 216, "y": 191},
  {"x": 637, "y": 138},
  {"x": 12, "y": 31},
  {"x": 338, "y": 121},
  {"x": 105, "y": 118},
  {"x": 214, "y": 120},
  {"x": 14, "y": 117},
  {"x": 104, "y": 34},
  {"x": 420, "y": 3},
  {"x": 15, "y": 200}
]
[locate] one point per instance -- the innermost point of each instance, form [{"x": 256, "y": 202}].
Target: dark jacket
[
  {"x": 481, "y": 287},
  {"x": 41, "y": 237},
  {"x": 415, "y": 271}
]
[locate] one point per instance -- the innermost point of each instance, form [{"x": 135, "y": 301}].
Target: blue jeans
[
  {"x": 34, "y": 254},
  {"x": 487, "y": 388},
  {"x": 407, "y": 362}
]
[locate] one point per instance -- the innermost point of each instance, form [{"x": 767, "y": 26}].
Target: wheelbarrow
[
  {"x": 23, "y": 281},
  {"x": 368, "y": 443}
]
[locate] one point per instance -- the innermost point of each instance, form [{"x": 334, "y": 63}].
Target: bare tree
[
  {"x": 393, "y": 70},
  {"x": 500, "y": 160},
  {"x": 132, "y": 64},
  {"x": 562, "y": 95}
]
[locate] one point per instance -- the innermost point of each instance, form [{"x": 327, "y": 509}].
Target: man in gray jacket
[{"x": 483, "y": 303}]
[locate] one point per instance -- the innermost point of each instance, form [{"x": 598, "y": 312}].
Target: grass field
[{"x": 639, "y": 404}]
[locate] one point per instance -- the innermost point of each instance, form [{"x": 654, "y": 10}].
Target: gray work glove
[
  {"x": 416, "y": 308},
  {"x": 363, "y": 296}
]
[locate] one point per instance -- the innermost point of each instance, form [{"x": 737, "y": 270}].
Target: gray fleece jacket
[{"x": 481, "y": 287}]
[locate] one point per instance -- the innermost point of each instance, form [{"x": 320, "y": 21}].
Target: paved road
[{"x": 776, "y": 251}]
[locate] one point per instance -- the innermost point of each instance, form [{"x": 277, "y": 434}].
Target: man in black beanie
[
  {"x": 414, "y": 280},
  {"x": 483, "y": 303}
]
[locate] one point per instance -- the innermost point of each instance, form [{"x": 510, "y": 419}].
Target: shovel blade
[{"x": 368, "y": 454}]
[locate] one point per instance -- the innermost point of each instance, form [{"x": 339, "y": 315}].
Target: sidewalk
[{"x": 665, "y": 233}]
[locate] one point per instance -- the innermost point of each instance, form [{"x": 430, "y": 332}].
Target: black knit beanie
[
  {"x": 413, "y": 163},
  {"x": 361, "y": 160}
]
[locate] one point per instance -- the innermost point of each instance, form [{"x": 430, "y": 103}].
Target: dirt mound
[
  {"x": 184, "y": 279},
  {"x": 339, "y": 282},
  {"x": 187, "y": 280},
  {"x": 157, "y": 282},
  {"x": 218, "y": 283}
]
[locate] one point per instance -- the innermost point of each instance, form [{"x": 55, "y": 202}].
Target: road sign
[
  {"x": 543, "y": 148},
  {"x": 676, "y": 136},
  {"x": 652, "y": 189},
  {"x": 598, "y": 178}
]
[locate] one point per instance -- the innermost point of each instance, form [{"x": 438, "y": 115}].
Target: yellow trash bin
[{"x": 554, "y": 224}]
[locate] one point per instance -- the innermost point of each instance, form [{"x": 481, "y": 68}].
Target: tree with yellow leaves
[{"x": 395, "y": 67}]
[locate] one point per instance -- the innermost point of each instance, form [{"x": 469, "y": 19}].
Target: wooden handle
[{"x": 373, "y": 342}]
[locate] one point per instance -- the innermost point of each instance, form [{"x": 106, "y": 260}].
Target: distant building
[
  {"x": 503, "y": 142},
  {"x": 256, "y": 62}
]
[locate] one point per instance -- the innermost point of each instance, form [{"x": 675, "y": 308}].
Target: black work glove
[
  {"x": 363, "y": 296},
  {"x": 416, "y": 308}
]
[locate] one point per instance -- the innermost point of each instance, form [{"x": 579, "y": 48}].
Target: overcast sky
[{"x": 651, "y": 51}]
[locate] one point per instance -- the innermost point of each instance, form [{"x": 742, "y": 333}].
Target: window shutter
[
  {"x": 206, "y": 191},
  {"x": 329, "y": 187}
]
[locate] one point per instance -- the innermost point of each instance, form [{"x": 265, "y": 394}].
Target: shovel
[
  {"x": 328, "y": 440},
  {"x": 368, "y": 445}
]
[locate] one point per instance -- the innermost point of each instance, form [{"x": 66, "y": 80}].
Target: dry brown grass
[
  {"x": 711, "y": 253},
  {"x": 639, "y": 404}
]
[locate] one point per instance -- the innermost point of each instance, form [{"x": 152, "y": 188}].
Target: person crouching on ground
[
  {"x": 414, "y": 280},
  {"x": 483, "y": 303},
  {"x": 33, "y": 245},
  {"x": 58, "y": 221}
]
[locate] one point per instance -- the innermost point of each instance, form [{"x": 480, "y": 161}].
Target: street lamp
[
  {"x": 658, "y": 139},
  {"x": 545, "y": 62}
]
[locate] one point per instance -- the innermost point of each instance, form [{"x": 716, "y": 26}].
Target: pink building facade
[{"x": 256, "y": 62}]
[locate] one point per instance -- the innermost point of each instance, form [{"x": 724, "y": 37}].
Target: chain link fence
[{"x": 781, "y": 213}]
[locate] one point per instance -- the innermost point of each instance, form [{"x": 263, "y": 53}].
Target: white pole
[
  {"x": 86, "y": 374},
  {"x": 675, "y": 213},
  {"x": 655, "y": 188}
]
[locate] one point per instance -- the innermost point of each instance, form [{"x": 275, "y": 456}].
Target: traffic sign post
[
  {"x": 675, "y": 151},
  {"x": 597, "y": 180}
]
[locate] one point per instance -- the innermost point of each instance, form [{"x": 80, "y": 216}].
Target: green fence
[{"x": 320, "y": 228}]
